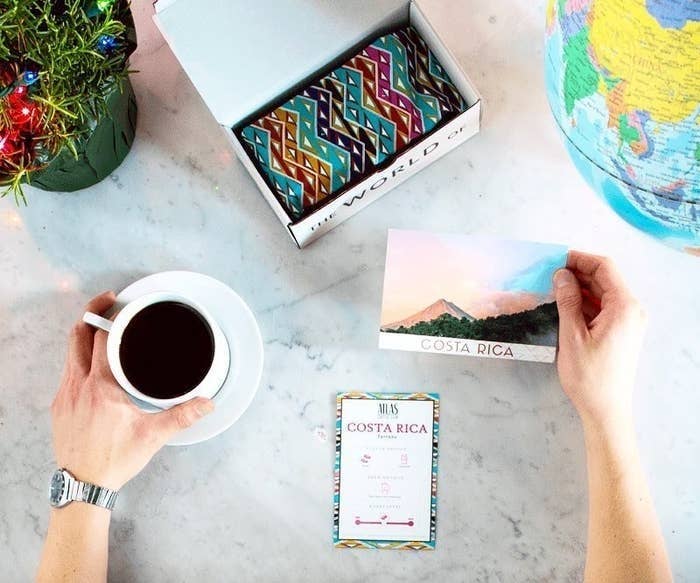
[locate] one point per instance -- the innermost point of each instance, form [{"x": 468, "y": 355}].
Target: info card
[
  {"x": 386, "y": 470},
  {"x": 470, "y": 296}
]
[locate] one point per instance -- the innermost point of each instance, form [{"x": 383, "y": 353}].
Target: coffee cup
[{"x": 164, "y": 349}]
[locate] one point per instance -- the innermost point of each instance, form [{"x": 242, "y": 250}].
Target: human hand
[
  {"x": 99, "y": 434},
  {"x": 601, "y": 326}
]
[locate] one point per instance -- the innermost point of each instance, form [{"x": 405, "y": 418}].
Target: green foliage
[
  {"x": 59, "y": 39},
  {"x": 521, "y": 328}
]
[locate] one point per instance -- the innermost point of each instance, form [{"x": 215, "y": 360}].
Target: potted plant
[{"x": 67, "y": 108}]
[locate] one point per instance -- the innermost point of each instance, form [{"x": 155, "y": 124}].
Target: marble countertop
[{"x": 255, "y": 503}]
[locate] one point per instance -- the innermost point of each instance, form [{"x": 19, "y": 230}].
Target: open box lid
[{"x": 242, "y": 54}]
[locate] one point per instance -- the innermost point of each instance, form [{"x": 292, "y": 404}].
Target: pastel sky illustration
[{"x": 483, "y": 276}]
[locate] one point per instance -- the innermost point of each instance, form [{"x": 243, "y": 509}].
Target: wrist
[
  {"x": 66, "y": 488},
  {"x": 614, "y": 432},
  {"x": 609, "y": 417},
  {"x": 91, "y": 475},
  {"x": 82, "y": 514}
]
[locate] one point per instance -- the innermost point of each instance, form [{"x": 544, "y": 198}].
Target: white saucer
[{"x": 241, "y": 330}]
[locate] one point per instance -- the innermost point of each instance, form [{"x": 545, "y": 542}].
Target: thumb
[
  {"x": 567, "y": 292},
  {"x": 167, "y": 423}
]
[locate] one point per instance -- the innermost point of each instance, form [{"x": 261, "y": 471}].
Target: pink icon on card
[
  {"x": 384, "y": 488},
  {"x": 364, "y": 460},
  {"x": 404, "y": 459}
]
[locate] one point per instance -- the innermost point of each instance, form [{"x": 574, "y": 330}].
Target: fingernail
[
  {"x": 204, "y": 406},
  {"x": 563, "y": 277}
]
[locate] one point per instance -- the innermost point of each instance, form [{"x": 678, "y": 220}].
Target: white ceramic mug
[{"x": 210, "y": 384}]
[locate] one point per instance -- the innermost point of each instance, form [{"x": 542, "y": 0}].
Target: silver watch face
[{"x": 56, "y": 488}]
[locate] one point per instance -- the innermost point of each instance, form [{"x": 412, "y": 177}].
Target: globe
[{"x": 623, "y": 83}]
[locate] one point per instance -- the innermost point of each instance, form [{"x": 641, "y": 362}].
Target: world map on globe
[{"x": 623, "y": 82}]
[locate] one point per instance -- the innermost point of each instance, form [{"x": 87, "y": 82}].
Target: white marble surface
[{"x": 255, "y": 503}]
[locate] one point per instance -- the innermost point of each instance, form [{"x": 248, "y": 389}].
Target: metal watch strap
[{"x": 92, "y": 494}]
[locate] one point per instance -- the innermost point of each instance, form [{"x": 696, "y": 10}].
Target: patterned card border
[{"x": 386, "y": 544}]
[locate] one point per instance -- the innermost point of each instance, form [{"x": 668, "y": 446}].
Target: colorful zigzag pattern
[{"x": 345, "y": 124}]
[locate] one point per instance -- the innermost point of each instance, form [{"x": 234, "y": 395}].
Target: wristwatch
[{"x": 65, "y": 488}]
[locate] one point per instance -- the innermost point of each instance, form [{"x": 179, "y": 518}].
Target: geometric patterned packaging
[{"x": 344, "y": 125}]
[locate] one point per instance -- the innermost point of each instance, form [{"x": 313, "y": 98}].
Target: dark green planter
[{"x": 100, "y": 153}]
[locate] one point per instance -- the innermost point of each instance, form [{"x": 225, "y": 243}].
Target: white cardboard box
[{"x": 243, "y": 55}]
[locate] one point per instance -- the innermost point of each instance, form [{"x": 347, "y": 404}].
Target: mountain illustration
[
  {"x": 432, "y": 312},
  {"x": 536, "y": 326}
]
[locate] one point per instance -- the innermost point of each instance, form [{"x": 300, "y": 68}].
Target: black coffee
[{"x": 166, "y": 350}]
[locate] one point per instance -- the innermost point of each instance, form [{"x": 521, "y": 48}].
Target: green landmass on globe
[{"x": 623, "y": 82}]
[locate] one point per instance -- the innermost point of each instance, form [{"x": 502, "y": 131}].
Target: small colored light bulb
[
  {"x": 106, "y": 44},
  {"x": 30, "y": 77}
]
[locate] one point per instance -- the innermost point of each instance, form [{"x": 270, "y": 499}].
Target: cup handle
[{"x": 97, "y": 321}]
